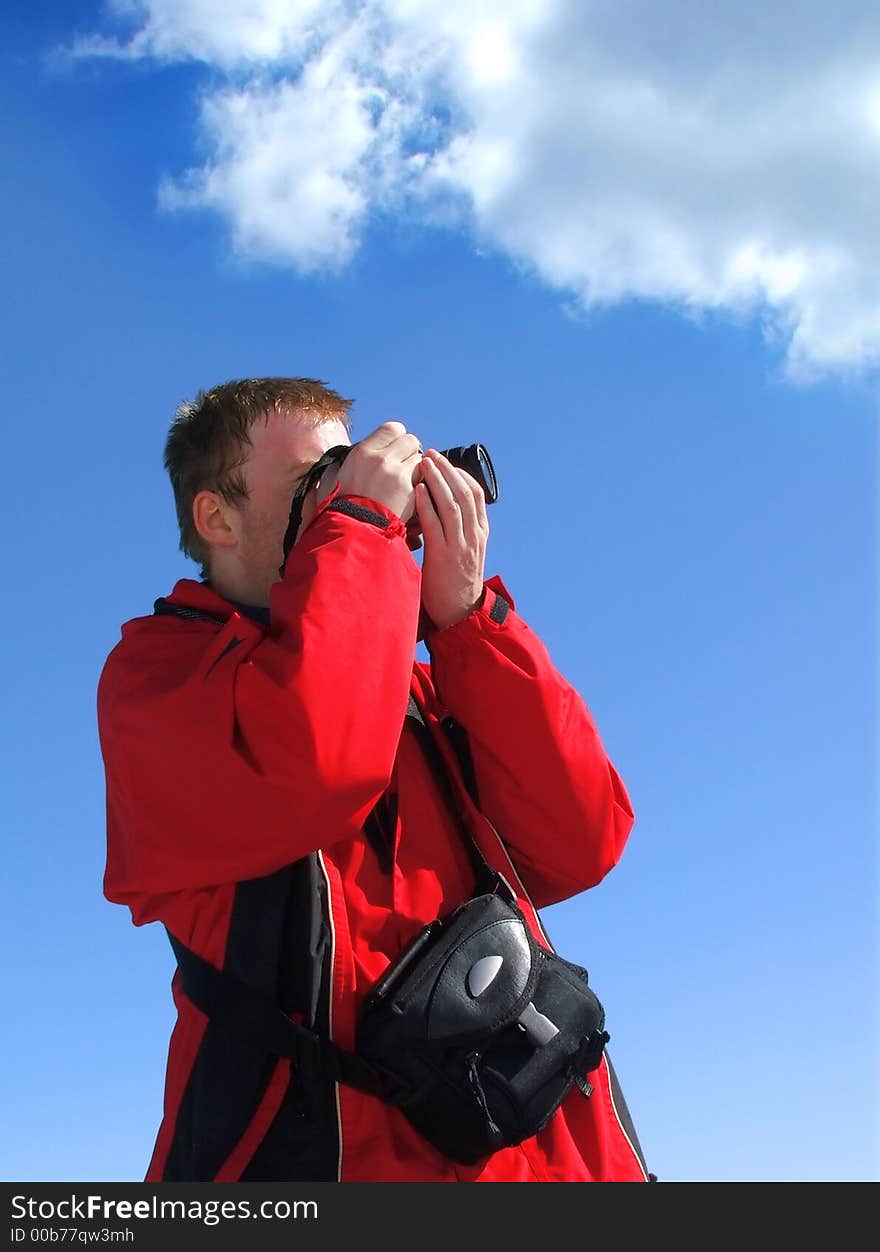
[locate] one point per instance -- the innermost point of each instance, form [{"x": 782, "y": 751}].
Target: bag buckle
[{"x": 589, "y": 1055}]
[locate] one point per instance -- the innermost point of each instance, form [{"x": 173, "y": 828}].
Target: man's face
[{"x": 282, "y": 450}]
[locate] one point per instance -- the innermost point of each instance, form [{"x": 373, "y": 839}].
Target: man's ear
[{"x": 216, "y": 521}]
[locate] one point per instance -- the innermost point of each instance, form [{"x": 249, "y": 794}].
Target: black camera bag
[{"x": 485, "y": 1029}]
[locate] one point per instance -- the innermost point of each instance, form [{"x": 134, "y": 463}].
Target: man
[{"x": 271, "y": 802}]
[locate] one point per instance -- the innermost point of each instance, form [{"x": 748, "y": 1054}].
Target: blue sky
[{"x": 674, "y": 367}]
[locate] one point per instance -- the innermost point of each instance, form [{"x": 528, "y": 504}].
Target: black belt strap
[{"x": 251, "y": 1017}]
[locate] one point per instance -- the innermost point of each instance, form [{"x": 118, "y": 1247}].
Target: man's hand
[
  {"x": 381, "y": 467},
  {"x": 452, "y": 513}
]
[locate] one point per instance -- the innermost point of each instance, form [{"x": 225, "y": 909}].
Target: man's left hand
[{"x": 452, "y": 513}]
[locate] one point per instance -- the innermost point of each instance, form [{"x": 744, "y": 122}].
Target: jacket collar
[{"x": 201, "y": 596}]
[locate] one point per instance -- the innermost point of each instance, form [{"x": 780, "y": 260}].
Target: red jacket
[{"x": 269, "y": 803}]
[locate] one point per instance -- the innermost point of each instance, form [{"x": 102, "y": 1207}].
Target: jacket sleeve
[
  {"x": 231, "y": 753},
  {"x": 542, "y": 775}
]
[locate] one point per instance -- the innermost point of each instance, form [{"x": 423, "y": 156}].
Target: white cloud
[
  {"x": 289, "y": 166},
  {"x": 712, "y": 157},
  {"x": 225, "y": 33}
]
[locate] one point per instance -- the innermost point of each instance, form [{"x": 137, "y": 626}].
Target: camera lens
[{"x": 475, "y": 460}]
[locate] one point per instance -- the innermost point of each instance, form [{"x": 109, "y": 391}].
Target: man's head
[{"x": 235, "y": 455}]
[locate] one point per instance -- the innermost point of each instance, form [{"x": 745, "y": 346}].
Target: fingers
[
  {"x": 479, "y": 500},
  {"x": 446, "y": 505},
  {"x": 458, "y": 477},
  {"x": 410, "y": 448},
  {"x": 399, "y": 444},
  {"x": 383, "y": 467},
  {"x": 393, "y": 439},
  {"x": 459, "y": 500},
  {"x": 429, "y": 520},
  {"x": 383, "y": 435}
]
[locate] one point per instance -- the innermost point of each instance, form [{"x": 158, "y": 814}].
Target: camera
[{"x": 472, "y": 458}]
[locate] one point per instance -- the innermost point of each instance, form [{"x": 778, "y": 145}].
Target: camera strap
[
  {"x": 333, "y": 456},
  {"x": 446, "y": 765}
]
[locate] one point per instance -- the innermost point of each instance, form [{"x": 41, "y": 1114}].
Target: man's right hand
[{"x": 383, "y": 467}]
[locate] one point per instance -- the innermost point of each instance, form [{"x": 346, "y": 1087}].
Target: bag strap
[
  {"x": 254, "y": 1019},
  {"x": 488, "y": 880}
]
